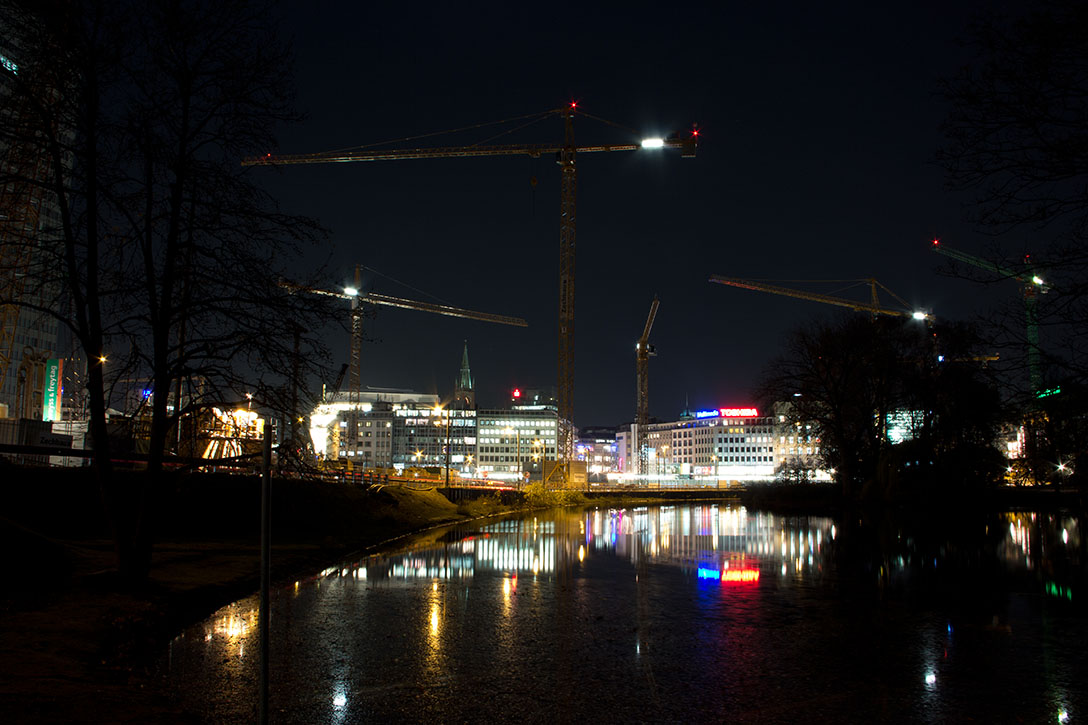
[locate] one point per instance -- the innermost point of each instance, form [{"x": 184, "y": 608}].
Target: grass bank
[{"x": 78, "y": 645}]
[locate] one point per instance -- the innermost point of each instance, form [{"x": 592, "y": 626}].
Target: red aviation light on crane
[
  {"x": 516, "y": 394},
  {"x": 936, "y": 242}
]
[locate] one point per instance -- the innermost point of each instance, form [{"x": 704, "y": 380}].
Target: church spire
[{"x": 464, "y": 396}]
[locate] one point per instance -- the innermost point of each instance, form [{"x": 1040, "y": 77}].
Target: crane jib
[{"x": 532, "y": 150}]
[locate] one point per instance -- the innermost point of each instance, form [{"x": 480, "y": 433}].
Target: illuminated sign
[
  {"x": 728, "y": 413},
  {"x": 9, "y": 64},
  {"x": 729, "y": 575},
  {"x": 51, "y": 395}
]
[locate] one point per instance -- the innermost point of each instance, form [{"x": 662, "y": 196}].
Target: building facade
[
  {"x": 724, "y": 444},
  {"x": 514, "y": 443},
  {"x": 29, "y": 228},
  {"x": 597, "y": 448}
]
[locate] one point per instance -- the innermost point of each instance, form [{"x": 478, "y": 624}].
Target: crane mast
[
  {"x": 565, "y": 350},
  {"x": 643, "y": 351},
  {"x": 566, "y": 155},
  {"x": 358, "y": 299},
  {"x": 1031, "y": 286}
]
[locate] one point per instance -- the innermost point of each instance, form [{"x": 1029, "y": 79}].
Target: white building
[
  {"x": 722, "y": 444},
  {"x": 394, "y": 429},
  {"x": 516, "y": 440}
]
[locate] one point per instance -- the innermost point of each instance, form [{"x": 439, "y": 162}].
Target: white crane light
[
  {"x": 351, "y": 292},
  {"x": 653, "y": 143},
  {"x": 919, "y": 315}
]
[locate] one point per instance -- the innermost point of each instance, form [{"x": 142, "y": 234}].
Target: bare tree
[
  {"x": 171, "y": 257},
  {"x": 1017, "y": 138},
  {"x": 849, "y": 378}
]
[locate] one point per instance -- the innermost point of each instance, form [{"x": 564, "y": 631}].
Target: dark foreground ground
[{"x": 78, "y": 645}]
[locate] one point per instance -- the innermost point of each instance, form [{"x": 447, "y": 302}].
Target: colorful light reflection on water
[{"x": 689, "y": 613}]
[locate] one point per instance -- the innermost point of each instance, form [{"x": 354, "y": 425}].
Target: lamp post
[
  {"x": 517, "y": 433},
  {"x": 543, "y": 450},
  {"x": 438, "y": 411}
]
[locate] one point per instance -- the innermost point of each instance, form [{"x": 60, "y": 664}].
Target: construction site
[{"x": 357, "y": 432}]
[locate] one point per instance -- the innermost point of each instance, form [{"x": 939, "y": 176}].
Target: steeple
[{"x": 464, "y": 396}]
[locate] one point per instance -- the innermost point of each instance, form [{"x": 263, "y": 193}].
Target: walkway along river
[{"x": 690, "y": 613}]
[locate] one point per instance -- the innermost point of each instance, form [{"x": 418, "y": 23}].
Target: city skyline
[{"x": 816, "y": 162}]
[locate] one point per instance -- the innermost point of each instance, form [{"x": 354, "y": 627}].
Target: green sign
[
  {"x": 1048, "y": 392},
  {"x": 51, "y": 395}
]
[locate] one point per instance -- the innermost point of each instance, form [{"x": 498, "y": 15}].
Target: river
[{"x": 686, "y": 613}]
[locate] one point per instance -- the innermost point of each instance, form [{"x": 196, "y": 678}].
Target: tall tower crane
[
  {"x": 873, "y": 306},
  {"x": 566, "y": 154},
  {"x": 359, "y": 298},
  {"x": 1031, "y": 286},
  {"x": 643, "y": 351}
]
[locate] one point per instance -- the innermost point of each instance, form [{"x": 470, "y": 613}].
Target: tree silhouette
[
  {"x": 167, "y": 255},
  {"x": 1018, "y": 142},
  {"x": 849, "y": 377}
]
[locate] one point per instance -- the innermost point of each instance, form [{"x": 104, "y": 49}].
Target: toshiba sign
[
  {"x": 739, "y": 413},
  {"x": 728, "y": 413}
]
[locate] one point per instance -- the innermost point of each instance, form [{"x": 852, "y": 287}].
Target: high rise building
[{"x": 29, "y": 224}]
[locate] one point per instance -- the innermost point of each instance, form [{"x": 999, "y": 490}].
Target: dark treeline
[{"x": 160, "y": 257}]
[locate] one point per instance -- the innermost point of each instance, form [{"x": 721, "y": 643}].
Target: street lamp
[
  {"x": 438, "y": 411},
  {"x": 541, "y": 453},
  {"x": 517, "y": 433}
]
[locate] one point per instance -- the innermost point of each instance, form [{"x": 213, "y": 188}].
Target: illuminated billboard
[
  {"x": 51, "y": 395},
  {"x": 728, "y": 413}
]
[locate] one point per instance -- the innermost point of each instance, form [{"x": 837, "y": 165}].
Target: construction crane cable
[
  {"x": 537, "y": 116},
  {"x": 405, "y": 284},
  {"x": 852, "y": 284},
  {"x": 507, "y": 132},
  {"x": 605, "y": 121}
]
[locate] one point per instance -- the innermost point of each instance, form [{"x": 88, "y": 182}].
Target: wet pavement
[{"x": 692, "y": 613}]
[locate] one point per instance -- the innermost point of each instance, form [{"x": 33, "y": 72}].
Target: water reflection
[{"x": 680, "y": 613}]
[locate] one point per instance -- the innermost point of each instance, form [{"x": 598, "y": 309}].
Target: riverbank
[{"x": 78, "y": 645}]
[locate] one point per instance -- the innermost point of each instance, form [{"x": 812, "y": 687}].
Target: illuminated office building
[
  {"x": 29, "y": 228},
  {"x": 517, "y": 439},
  {"x": 597, "y": 448},
  {"x": 727, "y": 444}
]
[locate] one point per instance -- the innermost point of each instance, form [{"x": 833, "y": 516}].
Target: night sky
[{"x": 819, "y": 124}]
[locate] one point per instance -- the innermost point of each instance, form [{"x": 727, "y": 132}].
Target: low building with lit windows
[
  {"x": 722, "y": 444},
  {"x": 394, "y": 429},
  {"x": 598, "y": 449},
  {"x": 518, "y": 439}
]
